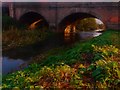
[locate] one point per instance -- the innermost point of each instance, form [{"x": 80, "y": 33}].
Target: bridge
[{"x": 60, "y": 14}]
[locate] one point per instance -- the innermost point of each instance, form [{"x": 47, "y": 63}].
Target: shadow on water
[{"x": 32, "y": 50}]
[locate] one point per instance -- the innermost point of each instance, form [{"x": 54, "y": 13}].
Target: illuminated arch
[{"x": 31, "y": 18}]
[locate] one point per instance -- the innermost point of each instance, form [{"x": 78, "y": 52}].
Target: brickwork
[{"x": 55, "y": 13}]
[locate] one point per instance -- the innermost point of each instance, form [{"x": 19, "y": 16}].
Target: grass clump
[{"x": 19, "y": 38}]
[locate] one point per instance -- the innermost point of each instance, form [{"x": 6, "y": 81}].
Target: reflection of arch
[
  {"x": 31, "y": 17},
  {"x": 70, "y": 19}
]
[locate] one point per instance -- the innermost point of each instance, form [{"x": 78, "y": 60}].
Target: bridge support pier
[
  {"x": 11, "y": 9},
  {"x": 52, "y": 27}
]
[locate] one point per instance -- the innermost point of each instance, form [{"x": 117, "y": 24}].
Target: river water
[{"x": 12, "y": 60}]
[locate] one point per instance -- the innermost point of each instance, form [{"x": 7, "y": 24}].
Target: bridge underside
[
  {"x": 71, "y": 19},
  {"x": 32, "y": 18}
]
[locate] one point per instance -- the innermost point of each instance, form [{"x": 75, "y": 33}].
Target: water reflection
[
  {"x": 70, "y": 34},
  {"x": 11, "y": 65},
  {"x": 88, "y": 34}
]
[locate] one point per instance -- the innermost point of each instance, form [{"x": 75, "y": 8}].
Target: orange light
[{"x": 33, "y": 25}]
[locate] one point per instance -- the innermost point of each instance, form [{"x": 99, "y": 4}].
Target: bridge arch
[
  {"x": 72, "y": 17},
  {"x": 30, "y": 17}
]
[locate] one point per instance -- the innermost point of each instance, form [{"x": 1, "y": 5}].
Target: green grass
[
  {"x": 96, "y": 59},
  {"x": 72, "y": 55}
]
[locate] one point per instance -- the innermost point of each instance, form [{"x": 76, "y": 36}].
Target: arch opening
[
  {"x": 33, "y": 20},
  {"x": 72, "y": 18},
  {"x": 78, "y": 22},
  {"x": 89, "y": 24}
]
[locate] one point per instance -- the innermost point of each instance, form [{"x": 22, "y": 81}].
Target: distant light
[{"x": 98, "y": 21}]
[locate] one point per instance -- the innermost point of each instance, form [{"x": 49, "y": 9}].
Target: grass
[
  {"x": 15, "y": 34},
  {"x": 19, "y": 38},
  {"x": 96, "y": 60},
  {"x": 72, "y": 55}
]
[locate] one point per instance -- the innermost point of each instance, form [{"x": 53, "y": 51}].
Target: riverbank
[
  {"x": 20, "y": 38},
  {"x": 88, "y": 64}
]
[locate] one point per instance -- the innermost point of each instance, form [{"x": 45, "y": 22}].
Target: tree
[{"x": 86, "y": 24}]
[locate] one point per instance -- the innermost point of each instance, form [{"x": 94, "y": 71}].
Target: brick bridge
[{"x": 59, "y": 14}]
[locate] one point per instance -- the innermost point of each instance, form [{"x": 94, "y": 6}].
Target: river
[{"x": 12, "y": 60}]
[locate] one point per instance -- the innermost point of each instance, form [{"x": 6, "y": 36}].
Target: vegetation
[
  {"x": 91, "y": 64},
  {"x": 88, "y": 24},
  {"x": 19, "y": 38},
  {"x": 13, "y": 37},
  {"x": 9, "y": 23}
]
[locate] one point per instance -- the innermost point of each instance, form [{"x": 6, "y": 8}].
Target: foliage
[
  {"x": 104, "y": 52},
  {"x": 103, "y": 73},
  {"x": 87, "y": 24},
  {"x": 107, "y": 71},
  {"x": 9, "y": 23}
]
